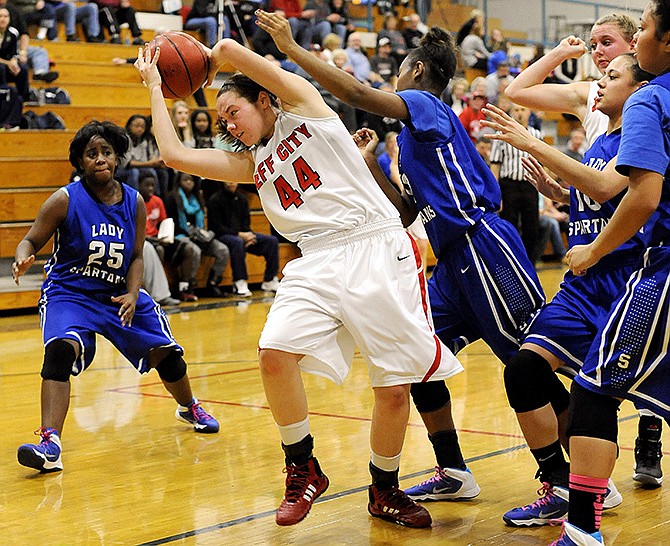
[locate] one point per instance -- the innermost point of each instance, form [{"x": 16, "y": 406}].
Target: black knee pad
[
  {"x": 172, "y": 368},
  {"x": 527, "y": 377},
  {"x": 430, "y": 396},
  {"x": 592, "y": 415},
  {"x": 59, "y": 356}
]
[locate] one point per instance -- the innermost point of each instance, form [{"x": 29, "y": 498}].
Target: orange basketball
[{"x": 183, "y": 64}]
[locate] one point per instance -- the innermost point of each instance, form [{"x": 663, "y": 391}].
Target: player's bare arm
[
  {"x": 599, "y": 185},
  {"x": 344, "y": 86}
]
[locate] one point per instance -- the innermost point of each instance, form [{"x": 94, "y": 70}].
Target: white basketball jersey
[
  {"x": 595, "y": 122},
  {"x": 312, "y": 180}
]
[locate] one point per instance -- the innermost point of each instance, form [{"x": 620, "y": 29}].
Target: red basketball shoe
[
  {"x": 304, "y": 484},
  {"x": 394, "y": 505}
]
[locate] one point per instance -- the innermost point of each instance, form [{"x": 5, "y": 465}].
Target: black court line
[{"x": 341, "y": 494}]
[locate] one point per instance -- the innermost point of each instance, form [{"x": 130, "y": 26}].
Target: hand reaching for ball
[{"x": 146, "y": 66}]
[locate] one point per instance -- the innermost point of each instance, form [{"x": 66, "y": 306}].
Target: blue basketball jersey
[
  {"x": 588, "y": 217},
  {"x": 645, "y": 144},
  {"x": 451, "y": 184},
  {"x": 94, "y": 244}
]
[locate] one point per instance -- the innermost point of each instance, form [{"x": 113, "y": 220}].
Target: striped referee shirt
[{"x": 510, "y": 158}]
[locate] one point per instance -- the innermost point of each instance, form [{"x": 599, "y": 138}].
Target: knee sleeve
[
  {"x": 430, "y": 396},
  {"x": 172, "y": 368},
  {"x": 592, "y": 415},
  {"x": 59, "y": 356},
  {"x": 530, "y": 383}
]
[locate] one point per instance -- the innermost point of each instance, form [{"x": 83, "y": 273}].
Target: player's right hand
[
  {"x": 146, "y": 66},
  {"x": 366, "y": 140},
  {"x": 573, "y": 47},
  {"x": 19, "y": 268},
  {"x": 278, "y": 27}
]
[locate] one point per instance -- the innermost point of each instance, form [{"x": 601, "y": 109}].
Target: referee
[{"x": 519, "y": 198}]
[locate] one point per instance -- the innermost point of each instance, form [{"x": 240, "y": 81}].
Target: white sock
[
  {"x": 41, "y": 33},
  {"x": 293, "y": 433},
  {"x": 388, "y": 464}
]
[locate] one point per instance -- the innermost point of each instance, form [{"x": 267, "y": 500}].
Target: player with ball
[{"x": 358, "y": 282}]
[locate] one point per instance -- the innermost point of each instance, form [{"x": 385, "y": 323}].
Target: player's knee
[
  {"x": 59, "y": 357},
  {"x": 392, "y": 399},
  {"x": 430, "y": 396},
  {"x": 172, "y": 368},
  {"x": 527, "y": 375},
  {"x": 592, "y": 415}
]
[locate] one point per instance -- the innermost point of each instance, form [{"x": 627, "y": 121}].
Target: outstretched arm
[
  {"x": 528, "y": 90},
  {"x": 205, "y": 162},
  {"x": 343, "y": 86},
  {"x": 545, "y": 184},
  {"x": 599, "y": 185}
]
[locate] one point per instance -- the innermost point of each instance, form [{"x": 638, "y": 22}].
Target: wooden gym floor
[{"x": 135, "y": 475}]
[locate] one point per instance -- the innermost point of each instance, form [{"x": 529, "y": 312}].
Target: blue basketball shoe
[
  {"x": 552, "y": 505},
  {"x": 198, "y": 417},
  {"x": 446, "y": 484},
  {"x": 44, "y": 456},
  {"x": 574, "y": 536}
]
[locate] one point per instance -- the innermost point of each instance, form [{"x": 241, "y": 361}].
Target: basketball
[{"x": 183, "y": 64}]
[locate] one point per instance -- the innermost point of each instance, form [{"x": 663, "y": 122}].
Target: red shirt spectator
[{"x": 155, "y": 215}]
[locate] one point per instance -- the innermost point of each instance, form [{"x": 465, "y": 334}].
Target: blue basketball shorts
[
  {"x": 629, "y": 357},
  {"x": 66, "y": 314},
  {"x": 485, "y": 288}
]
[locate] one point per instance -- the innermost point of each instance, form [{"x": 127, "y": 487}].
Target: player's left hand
[
  {"x": 20, "y": 267},
  {"x": 146, "y": 66},
  {"x": 507, "y": 129},
  {"x": 276, "y": 26},
  {"x": 128, "y": 302},
  {"x": 580, "y": 258}
]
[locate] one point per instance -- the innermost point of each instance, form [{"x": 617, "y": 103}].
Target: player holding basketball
[
  {"x": 483, "y": 286},
  {"x": 93, "y": 287},
  {"x": 358, "y": 281}
]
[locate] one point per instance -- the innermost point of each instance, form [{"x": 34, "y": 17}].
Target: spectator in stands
[
  {"x": 203, "y": 136},
  {"x": 455, "y": 95},
  {"x": 574, "y": 147},
  {"x": 112, "y": 14},
  {"x": 302, "y": 27},
  {"x": 552, "y": 223},
  {"x": 483, "y": 146},
  {"x": 71, "y": 13},
  {"x": 186, "y": 207},
  {"x": 204, "y": 16},
  {"x": 331, "y": 42},
  {"x": 472, "y": 116},
  {"x": 382, "y": 125},
  {"x": 230, "y": 220},
  {"x": 390, "y": 30},
  {"x": 36, "y": 57},
  {"x": 383, "y": 67},
  {"x": 339, "y": 19},
  {"x": 180, "y": 255},
  {"x": 473, "y": 50},
  {"x": 357, "y": 59},
  {"x": 37, "y": 12},
  {"x": 11, "y": 69},
  {"x": 320, "y": 13},
  {"x": 411, "y": 33},
  {"x": 498, "y": 54},
  {"x": 180, "y": 115},
  {"x": 519, "y": 197},
  {"x": 494, "y": 80},
  {"x": 154, "y": 279},
  {"x": 143, "y": 157}
]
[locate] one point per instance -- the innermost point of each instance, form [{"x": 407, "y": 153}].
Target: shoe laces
[
  {"x": 436, "y": 478},
  {"x": 297, "y": 480},
  {"x": 546, "y": 493},
  {"x": 649, "y": 451},
  {"x": 45, "y": 433},
  {"x": 395, "y": 497},
  {"x": 199, "y": 413}
]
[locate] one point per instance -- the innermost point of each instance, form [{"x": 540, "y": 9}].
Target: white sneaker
[
  {"x": 613, "y": 497},
  {"x": 242, "y": 288},
  {"x": 270, "y": 286}
]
